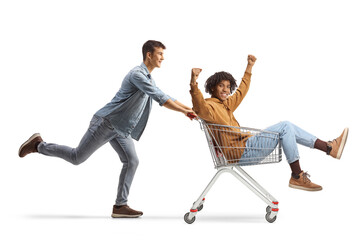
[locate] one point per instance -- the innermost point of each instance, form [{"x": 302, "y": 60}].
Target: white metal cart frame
[{"x": 225, "y": 161}]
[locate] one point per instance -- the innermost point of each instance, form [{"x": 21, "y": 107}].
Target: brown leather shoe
[
  {"x": 336, "y": 146},
  {"x": 30, "y": 145},
  {"x": 125, "y": 212},
  {"x": 304, "y": 183}
]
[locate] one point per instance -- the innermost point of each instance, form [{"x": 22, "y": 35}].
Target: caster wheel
[
  {"x": 186, "y": 218},
  {"x": 268, "y": 209},
  {"x": 270, "y": 220}
]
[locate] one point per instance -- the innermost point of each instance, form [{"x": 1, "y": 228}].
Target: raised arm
[
  {"x": 240, "y": 93},
  {"x": 200, "y": 106},
  {"x": 251, "y": 61}
]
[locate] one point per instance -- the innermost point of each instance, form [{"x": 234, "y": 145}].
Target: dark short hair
[
  {"x": 215, "y": 79},
  {"x": 150, "y": 46}
]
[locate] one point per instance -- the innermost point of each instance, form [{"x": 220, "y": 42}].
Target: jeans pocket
[
  {"x": 108, "y": 124},
  {"x": 94, "y": 121}
]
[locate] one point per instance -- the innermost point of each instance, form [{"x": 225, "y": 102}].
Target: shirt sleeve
[
  {"x": 234, "y": 100},
  {"x": 144, "y": 84},
  {"x": 200, "y": 106}
]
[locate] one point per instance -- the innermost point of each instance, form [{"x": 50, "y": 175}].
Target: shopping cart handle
[{"x": 191, "y": 116}]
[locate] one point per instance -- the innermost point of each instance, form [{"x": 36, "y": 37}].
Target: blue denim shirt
[{"x": 129, "y": 110}]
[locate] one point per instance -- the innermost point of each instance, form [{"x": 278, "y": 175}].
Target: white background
[{"x": 60, "y": 61}]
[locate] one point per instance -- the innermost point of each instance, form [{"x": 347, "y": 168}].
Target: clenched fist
[
  {"x": 251, "y": 60},
  {"x": 195, "y": 74}
]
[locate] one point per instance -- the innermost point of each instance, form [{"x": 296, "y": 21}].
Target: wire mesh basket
[{"x": 241, "y": 145}]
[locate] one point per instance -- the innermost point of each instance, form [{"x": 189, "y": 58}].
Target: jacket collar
[
  {"x": 216, "y": 100},
  {"x": 143, "y": 66}
]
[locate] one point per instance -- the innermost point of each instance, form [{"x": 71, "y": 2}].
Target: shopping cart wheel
[
  {"x": 268, "y": 218},
  {"x": 186, "y": 218},
  {"x": 268, "y": 209}
]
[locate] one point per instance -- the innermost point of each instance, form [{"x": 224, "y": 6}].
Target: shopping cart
[{"x": 233, "y": 147}]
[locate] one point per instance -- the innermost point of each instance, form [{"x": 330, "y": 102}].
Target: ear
[{"x": 148, "y": 55}]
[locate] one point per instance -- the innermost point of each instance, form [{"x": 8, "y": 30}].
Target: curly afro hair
[{"x": 215, "y": 79}]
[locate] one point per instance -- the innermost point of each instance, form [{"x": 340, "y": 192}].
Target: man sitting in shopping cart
[{"x": 219, "y": 110}]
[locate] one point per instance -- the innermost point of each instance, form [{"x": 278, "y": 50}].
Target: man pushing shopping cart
[{"x": 232, "y": 145}]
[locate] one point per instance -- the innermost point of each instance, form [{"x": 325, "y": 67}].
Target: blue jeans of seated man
[
  {"x": 100, "y": 132},
  {"x": 290, "y": 135}
]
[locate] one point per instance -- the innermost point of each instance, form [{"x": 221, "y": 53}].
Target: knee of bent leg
[
  {"x": 287, "y": 125},
  {"x": 133, "y": 162},
  {"x": 77, "y": 159}
]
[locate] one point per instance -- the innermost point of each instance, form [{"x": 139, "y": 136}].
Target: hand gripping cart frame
[{"x": 233, "y": 147}]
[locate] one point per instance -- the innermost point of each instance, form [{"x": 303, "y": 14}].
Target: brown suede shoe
[
  {"x": 336, "y": 146},
  {"x": 30, "y": 145},
  {"x": 125, "y": 212},
  {"x": 304, "y": 183}
]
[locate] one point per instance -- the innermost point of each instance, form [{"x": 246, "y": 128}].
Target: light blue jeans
[
  {"x": 290, "y": 136},
  {"x": 100, "y": 132}
]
